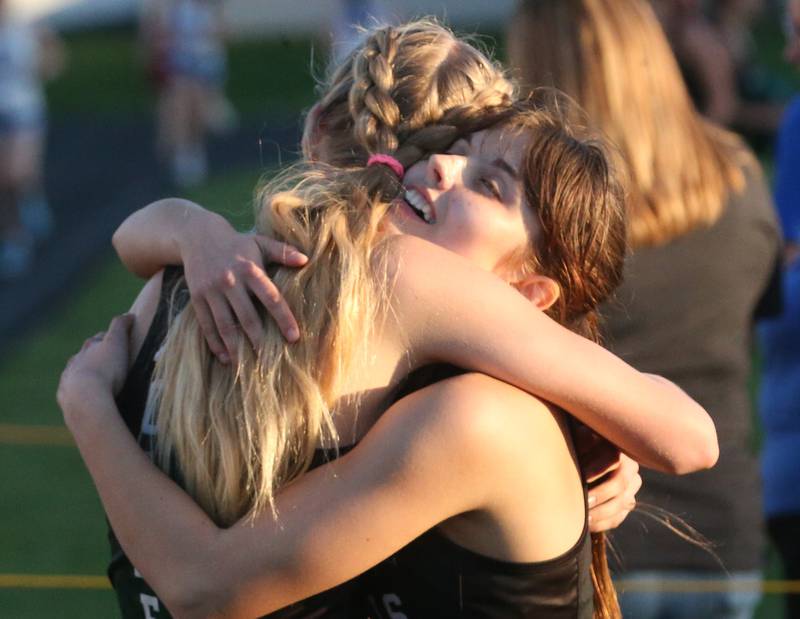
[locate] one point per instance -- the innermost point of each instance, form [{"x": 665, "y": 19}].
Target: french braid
[
  {"x": 401, "y": 80},
  {"x": 376, "y": 115}
]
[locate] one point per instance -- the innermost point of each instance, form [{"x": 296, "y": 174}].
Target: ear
[{"x": 540, "y": 290}]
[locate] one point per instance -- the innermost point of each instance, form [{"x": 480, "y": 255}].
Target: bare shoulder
[
  {"x": 487, "y": 422},
  {"x": 495, "y": 414},
  {"x": 524, "y": 474}
]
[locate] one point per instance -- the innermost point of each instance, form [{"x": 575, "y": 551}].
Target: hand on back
[
  {"x": 612, "y": 476},
  {"x": 226, "y": 278},
  {"x": 100, "y": 366}
]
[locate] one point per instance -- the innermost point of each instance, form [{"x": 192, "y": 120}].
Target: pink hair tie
[{"x": 389, "y": 162}]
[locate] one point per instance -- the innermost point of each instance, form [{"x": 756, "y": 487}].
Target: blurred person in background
[
  {"x": 28, "y": 54},
  {"x": 184, "y": 44},
  {"x": 761, "y": 97},
  {"x": 780, "y": 350},
  {"x": 713, "y": 43},
  {"x": 705, "y": 243}
]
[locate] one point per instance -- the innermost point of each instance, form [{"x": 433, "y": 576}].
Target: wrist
[
  {"x": 84, "y": 402},
  {"x": 199, "y": 228}
]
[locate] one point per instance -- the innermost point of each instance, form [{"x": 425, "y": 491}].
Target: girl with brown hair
[
  {"x": 705, "y": 243},
  {"x": 450, "y": 454}
]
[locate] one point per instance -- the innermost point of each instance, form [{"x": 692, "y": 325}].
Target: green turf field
[
  {"x": 52, "y": 522},
  {"x": 104, "y": 76}
]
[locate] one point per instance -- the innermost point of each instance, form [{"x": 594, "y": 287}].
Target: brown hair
[
  {"x": 573, "y": 186},
  {"x": 613, "y": 58}
]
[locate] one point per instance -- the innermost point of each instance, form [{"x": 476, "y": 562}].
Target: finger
[
  {"x": 601, "y": 525},
  {"x": 630, "y": 465},
  {"x": 282, "y": 253},
  {"x": 97, "y": 337},
  {"x": 612, "y": 511},
  {"x": 634, "y": 486},
  {"x": 209, "y": 329},
  {"x": 225, "y": 325},
  {"x": 608, "y": 489},
  {"x": 242, "y": 306},
  {"x": 272, "y": 299}
]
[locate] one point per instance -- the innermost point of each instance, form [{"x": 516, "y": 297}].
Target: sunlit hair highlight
[
  {"x": 402, "y": 79},
  {"x": 238, "y": 433},
  {"x": 614, "y": 59}
]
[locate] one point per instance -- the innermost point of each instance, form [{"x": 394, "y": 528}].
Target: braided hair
[
  {"x": 240, "y": 433},
  {"x": 402, "y": 79}
]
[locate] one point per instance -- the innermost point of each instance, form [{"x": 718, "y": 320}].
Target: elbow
[
  {"x": 197, "y": 592},
  {"x": 197, "y": 601},
  {"x": 119, "y": 242},
  {"x": 220, "y": 594},
  {"x": 703, "y": 449}
]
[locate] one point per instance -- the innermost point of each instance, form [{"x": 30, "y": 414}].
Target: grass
[
  {"x": 104, "y": 76},
  {"x": 53, "y": 522}
]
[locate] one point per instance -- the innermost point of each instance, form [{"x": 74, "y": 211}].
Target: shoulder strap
[{"x": 133, "y": 396}]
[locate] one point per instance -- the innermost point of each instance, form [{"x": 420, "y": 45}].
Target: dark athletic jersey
[
  {"x": 430, "y": 578},
  {"x": 435, "y": 577},
  {"x": 136, "y": 598}
]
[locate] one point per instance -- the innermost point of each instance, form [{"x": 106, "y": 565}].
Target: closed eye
[{"x": 492, "y": 186}]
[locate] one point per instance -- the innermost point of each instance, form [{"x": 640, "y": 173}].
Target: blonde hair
[
  {"x": 613, "y": 58},
  {"x": 240, "y": 433},
  {"x": 401, "y": 80}
]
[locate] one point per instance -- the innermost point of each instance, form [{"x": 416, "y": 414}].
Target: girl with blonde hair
[
  {"x": 258, "y": 421},
  {"x": 705, "y": 243}
]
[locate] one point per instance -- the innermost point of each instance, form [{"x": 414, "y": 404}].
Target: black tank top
[
  {"x": 136, "y": 598},
  {"x": 432, "y": 577},
  {"x": 435, "y": 577}
]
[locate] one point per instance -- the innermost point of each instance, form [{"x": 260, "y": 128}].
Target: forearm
[
  {"x": 652, "y": 420},
  {"x": 153, "y": 237},
  {"x": 648, "y": 417},
  {"x": 165, "y": 534},
  {"x": 489, "y": 327}
]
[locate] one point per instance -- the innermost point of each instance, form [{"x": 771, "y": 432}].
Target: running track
[{"x": 98, "y": 171}]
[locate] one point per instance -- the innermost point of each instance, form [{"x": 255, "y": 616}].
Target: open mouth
[{"x": 419, "y": 205}]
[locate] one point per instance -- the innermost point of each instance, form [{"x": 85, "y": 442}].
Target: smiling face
[{"x": 470, "y": 200}]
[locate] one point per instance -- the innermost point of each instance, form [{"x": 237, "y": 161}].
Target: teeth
[{"x": 419, "y": 203}]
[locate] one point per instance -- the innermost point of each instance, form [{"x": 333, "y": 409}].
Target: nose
[{"x": 445, "y": 170}]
